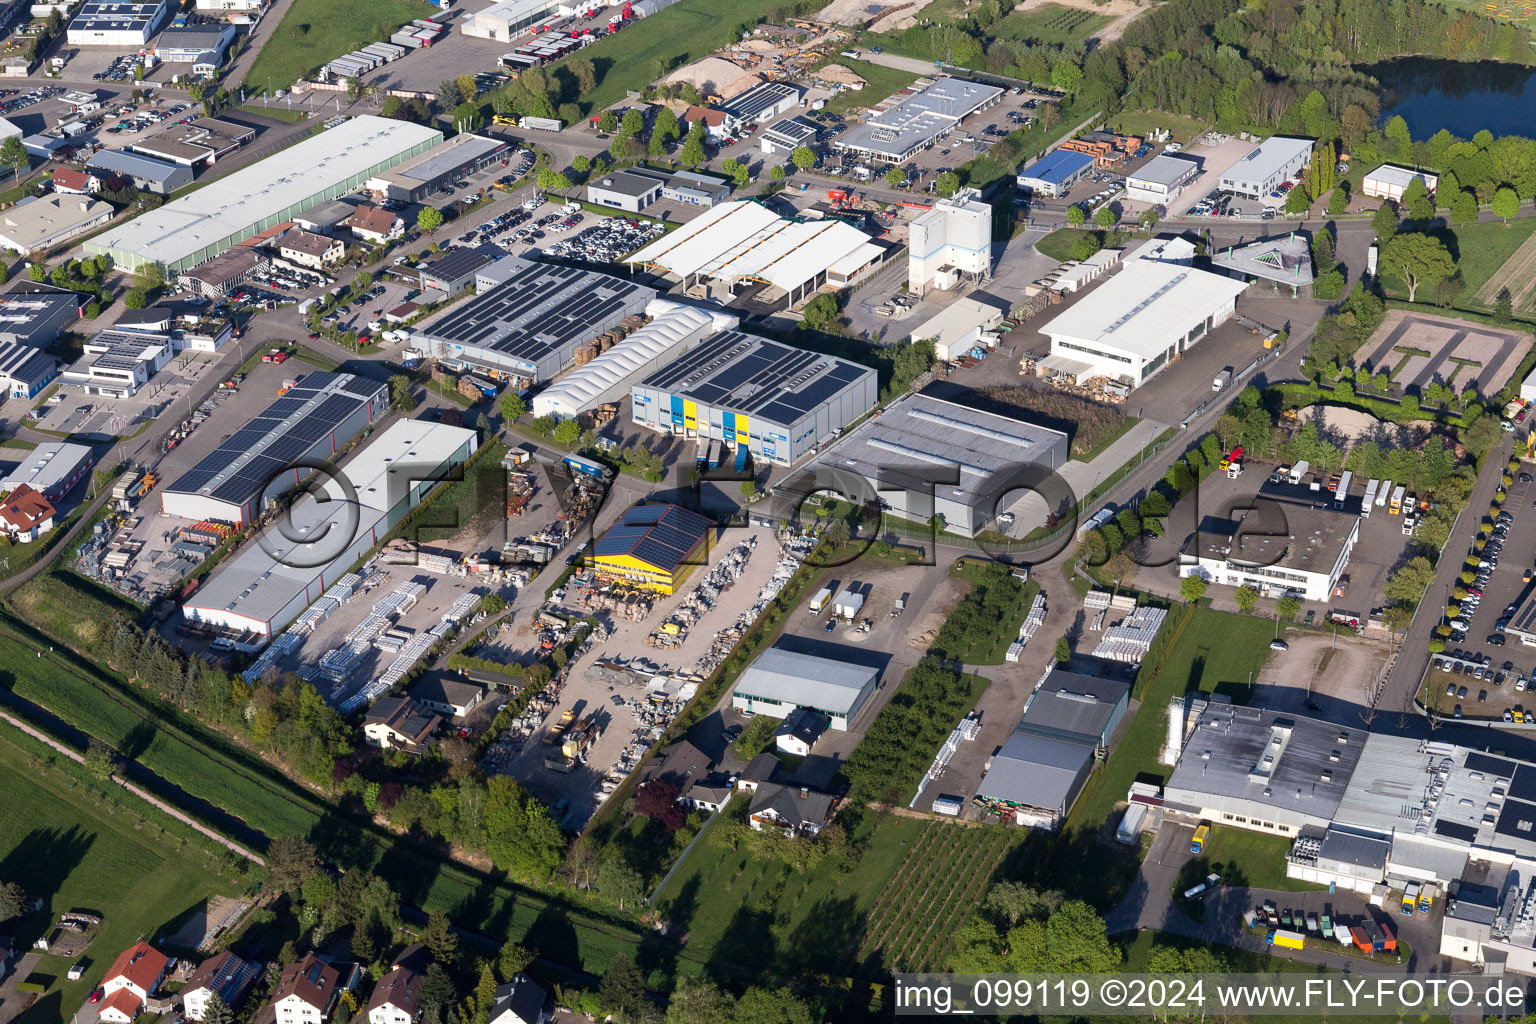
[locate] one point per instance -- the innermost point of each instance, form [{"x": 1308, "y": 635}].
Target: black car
[
  {"x": 1495, "y": 640},
  {"x": 731, "y": 734}
]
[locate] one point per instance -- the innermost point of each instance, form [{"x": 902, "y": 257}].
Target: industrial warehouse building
[
  {"x": 950, "y": 243},
  {"x": 781, "y": 680},
  {"x": 1055, "y": 173},
  {"x": 269, "y": 583},
  {"x": 1285, "y": 260},
  {"x": 438, "y": 168},
  {"x": 315, "y": 419},
  {"x": 505, "y": 20},
  {"x": 760, "y": 104},
  {"x": 1285, "y": 545},
  {"x": 196, "y": 45},
  {"x": 957, "y": 328},
  {"x": 607, "y": 378},
  {"x": 24, "y": 370},
  {"x": 1161, "y": 180},
  {"x": 788, "y": 135},
  {"x": 52, "y": 469},
  {"x": 198, "y": 144},
  {"x": 739, "y": 244},
  {"x": 1391, "y": 182},
  {"x": 918, "y": 120},
  {"x": 187, "y": 231},
  {"x": 35, "y": 313},
  {"x": 147, "y": 174},
  {"x": 653, "y": 546},
  {"x": 630, "y": 191},
  {"x": 531, "y": 324},
  {"x": 744, "y": 390},
  {"x": 925, "y": 457},
  {"x": 116, "y": 22},
  {"x": 1139, "y": 320},
  {"x": 38, "y": 223},
  {"x": 1275, "y": 161}
]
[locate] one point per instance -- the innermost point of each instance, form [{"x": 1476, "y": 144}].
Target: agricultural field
[
  {"x": 80, "y": 848},
  {"x": 1052, "y": 24},
  {"x": 316, "y": 31},
  {"x": 1518, "y": 274},
  {"x": 1091, "y": 427},
  {"x": 941, "y": 880}
]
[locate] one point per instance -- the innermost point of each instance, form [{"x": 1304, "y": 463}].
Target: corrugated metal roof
[{"x": 806, "y": 680}]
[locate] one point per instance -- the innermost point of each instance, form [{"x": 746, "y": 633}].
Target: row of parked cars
[
  {"x": 12, "y": 102},
  {"x": 121, "y": 68},
  {"x": 608, "y": 241}
]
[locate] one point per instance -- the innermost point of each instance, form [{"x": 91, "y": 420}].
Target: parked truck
[
  {"x": 820, "y": 600},
  {"x": 543, "y": 124},
  {"x": 1299, "y": 471},
  {"x": 1222, "y": 379},
  {"x": 1287, "y": 939},
  {"x": 558, "y": 729}
]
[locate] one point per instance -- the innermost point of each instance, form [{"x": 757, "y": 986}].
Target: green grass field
[
  {"x": 1216, "y": 651},
  {"x": 316, "y": 31},
  {"x": 756, "y": 910},
  {"x": 1058, "y": 244},
  {"x": 879, "y": 82},
  {"x": 1051, "y": 24},
  {"x": 1246, "y": 858},
  {"x": 77, "y": 849},
  {"x": 1479, "y": 250},
  {"x": 1140, "y": 122},
  {"x": 649, "y": 48}
]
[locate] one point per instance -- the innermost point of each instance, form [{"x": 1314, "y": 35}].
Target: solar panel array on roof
[
  {"x": 1479, "y": 762},
  {"x": 536, "y": 310},
  {"x": 1456, "y": 831},
  {"x": 763, "y": 378},
  {"x": 1517, "y": 818},
  {"x": 663, "y": 535},
  {"x": 252, "y": 457},
  {"x": 1523, "y": 785}
]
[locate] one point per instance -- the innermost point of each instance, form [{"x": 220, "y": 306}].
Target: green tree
[
  {"x": 947, "y": 184},
  {"x": 136, "y": 299},
  {"x": 1192, "y": 588},
  {"x": 1063, "y": 651},
  {"x": 1384, "y": 221},
  {"x": 544, "y": 425},
  {"x": 429, "y": 219},
  {"x": 554, "y": 181},
  {"x": 619, "y": 882},
  {"x": 217, "y": 1011},
  {"x": 665, "y": 125},
  {"x": 895, "y": 177},
  {"x": 776, "y": 172},
  {"x": 1075, "y": 216},
  {"x": 513, "y": 960},
  {"x": 623, "y": 989},
  {"x": 400, "y": 392},
  {"x": 1338, "y": 202},
  {"x": 1506, "y": 203},
  {"x": 633, "y": 123},
  {"x": 607, "y": 121},
  {"x": 512, "y": 405},
  {"x": 1463, "y": 207},
  {"x": 1287, "y": 608},
  {"x": 290, "y": 860},
  {"x": 567, "y": 432},
  {"x": 698, "y": 1001},
  {"x": 37, "y": 271},
  {"x": 468, "y": 90},
  {"x": 693, "y": 150},
  {"x": 1297, "y": 201},
  {"x": 1418, "y": 259},
  {"x": 1409, "y": 583},
  {"x": 440, "y": 938},
  {"x": 14, "y": 155},
  {"x": 1104, "y": 217},
  {"x": 803, "y": 157},
  {"x": 1503, "y": 307},
  {"x": 770, "y": 1006},
  {"x": 821, "y": 312},
  {"x": 1246, "y": 597},
  {"x": 12, "y": 899},
  {"x": 1417, "y": 202},
  {"x": 1323, "y": 257},
  {"x": 1077, "y": 942},
  {"x": 837, "y": 533}
]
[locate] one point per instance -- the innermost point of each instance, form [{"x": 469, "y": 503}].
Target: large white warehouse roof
[
  {"x": 673, "y": 328},
  {"x": 746, "y": 240},
  {"x": 1146, "y": 307},
  {"x": 198, "y": 227}
]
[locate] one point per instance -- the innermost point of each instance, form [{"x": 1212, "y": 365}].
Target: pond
[{"x": 1462, "y": 96}]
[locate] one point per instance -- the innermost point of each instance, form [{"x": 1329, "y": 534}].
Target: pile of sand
[
  {"x": 837, "y": 74},
  {"x": 712, "y": 75}
]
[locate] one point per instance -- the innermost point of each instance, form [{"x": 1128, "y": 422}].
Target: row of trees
[{"x": 1022, "y": 929}]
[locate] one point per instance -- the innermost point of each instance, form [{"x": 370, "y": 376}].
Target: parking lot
[{"x": 71, "y": 410}]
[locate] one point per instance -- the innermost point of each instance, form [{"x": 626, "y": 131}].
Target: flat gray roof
[
  {"x": 444, "y": 158},
  {"x": 1269, "y": 157},
  {"x": 1164, "y": 170},
  {"x": 805, "y": 680},
  {"x": 1035, "y": 771},
  {"x": 919, "y": 117},
  {"x": 1286, "y": 259},
  {"x": 1073, "y": 706},
  {"x": 1309, "y": 537},
  {"x": 917, "y": 434}
]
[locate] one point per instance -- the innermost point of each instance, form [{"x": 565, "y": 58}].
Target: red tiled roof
[
  {"x": 713, "y": 118},
  {"x": 141, "y": 963},
  {"x": 371, "y": 218},
  {"x": 21, "y": 510},
  {"x": 71, "y": 179},
  {"x": 124, "y": 1001}
]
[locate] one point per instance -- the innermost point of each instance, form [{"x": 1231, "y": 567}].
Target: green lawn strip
[
  {"x": 1058, "y": 244},
  {"x": 1244, "y": 858},
  {"x": 879, "y": 82},
  {"x": 316, "y": 31},
  {"x": 290, "y": 114},
  {"x": 1215, "y": 652},
  {"x": 1480, "y": 249},
  {"x": 89, "y": 846},
  {"x": 18, "y": 442}
]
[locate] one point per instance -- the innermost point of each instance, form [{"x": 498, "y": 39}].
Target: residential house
[
  {"x": 713, "y": 121},
  {"x": 683, "y": 765},
  {"x": 396, "y": 998},
  {"x": 133, "y": 976},
  {"x": 758, "y": 771},
  {"x": 374, "y": 224},
  {"x": 76, "y": 183},
  {"x": 310, "y": 250},
  {"x": 400, "y": 723},
  {"x": 800, "y": 731},
  {"x": 307, "y": 991},
  {"x": 519, "y": 1001},
  {"x": 795, "y": 810},
  {"x": 25, "y": 515},
  {"x": 226, "y": 976},
  {"x": 451, "y": 697}
]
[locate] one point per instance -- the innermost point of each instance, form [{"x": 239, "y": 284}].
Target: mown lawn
[
  {"x": 316, "y": 31},
  {"x": 759, "y": 910},
  {"x": 1479, "y": 250},
  {"x": 1215, "y": 651},
  {"x": 76, "y": 849},
  {"x": 1243, "y": 858},
  {"x": 1058, "y": 244},
  {"x": 879, "y": 82}
]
